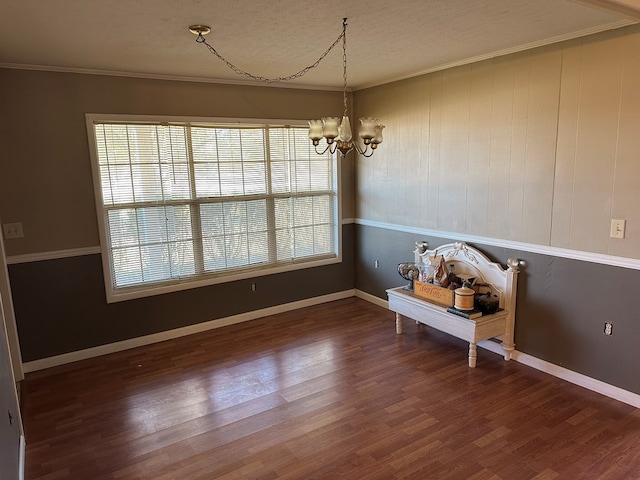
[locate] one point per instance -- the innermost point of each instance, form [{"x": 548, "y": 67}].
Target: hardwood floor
[{"x": 325, "y": 392}]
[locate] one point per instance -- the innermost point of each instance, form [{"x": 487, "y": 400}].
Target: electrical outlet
[
  {"x": 617, "y": 228},
  {"x": 376, "y": 263},
  {"x": 12, "y": 230},
  {"x": 608, "y": 328}
]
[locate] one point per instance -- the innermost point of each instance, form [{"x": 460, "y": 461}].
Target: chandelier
[{"x": 336, "y": 131}]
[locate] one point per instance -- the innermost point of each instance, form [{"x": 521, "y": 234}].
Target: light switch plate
[{"x": 617, "y": 228}]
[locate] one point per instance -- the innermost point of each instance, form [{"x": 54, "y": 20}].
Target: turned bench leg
[
  {"x": 472, "y": 354},
  {"x": 398, "y": 324},
  {"x": 508, "y": 350}
]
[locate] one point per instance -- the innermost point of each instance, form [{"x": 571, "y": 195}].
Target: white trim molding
[
  {"x": 372, "y": 299},
  {"x": 52, "y": 255},
  {"x": 570, "y": 376},
  {"x": 173, "y": 78},
  {"x": 508, "y": 51},
  {"x": 599, "y": 258},
  {"x": 79, "y": 252},
  {"x": 23, "y": 449},
  {"x": 620, "y": 9},
  {"x": 179, "y": 332}
]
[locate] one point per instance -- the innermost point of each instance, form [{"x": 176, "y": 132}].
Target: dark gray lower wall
[
  {"x": 562, "y": 304},
  {"x": 60, "y": 304}
]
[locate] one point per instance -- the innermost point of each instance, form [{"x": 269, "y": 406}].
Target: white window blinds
[{"x": 184, "y": 202}]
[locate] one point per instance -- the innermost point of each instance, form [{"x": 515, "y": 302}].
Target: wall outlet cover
[{"x": 12, "y": 230}]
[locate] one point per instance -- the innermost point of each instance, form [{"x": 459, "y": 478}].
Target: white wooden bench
[{"x": 466, "y": 259}]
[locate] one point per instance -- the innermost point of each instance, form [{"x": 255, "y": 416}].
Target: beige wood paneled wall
[{"x": 537, "y": 147}]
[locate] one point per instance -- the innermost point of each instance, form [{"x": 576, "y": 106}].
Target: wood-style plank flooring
[{"x": 326, "y": 392}]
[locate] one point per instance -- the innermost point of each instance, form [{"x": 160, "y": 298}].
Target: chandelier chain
[
  {"x": 344, "y": 63},
  {"x": 300, "y": 73}
]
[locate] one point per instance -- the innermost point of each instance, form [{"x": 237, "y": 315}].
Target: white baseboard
[
  {"x": 570, "y": 376},
  {"x": 23, "y": 447},
  {"x": 178, "y": 332},
  {"x": 372, "y": 299},
  {"x": 576, "y": 378}
]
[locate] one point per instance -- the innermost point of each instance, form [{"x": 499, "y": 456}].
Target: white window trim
[{"x": 141, "y": 291}]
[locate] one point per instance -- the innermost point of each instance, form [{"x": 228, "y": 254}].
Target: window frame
[{"x": 118, "y": 294}]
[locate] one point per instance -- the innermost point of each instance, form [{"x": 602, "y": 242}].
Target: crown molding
[
  {"x": 173, "y": 78},
  {"x": 620, "y": 7},
  {"x": 506, "y": 51}
]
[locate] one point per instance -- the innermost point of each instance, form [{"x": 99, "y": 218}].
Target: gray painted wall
[
  {"x": 46, "y": 184},
  {"x": 45, "y": 178},
  {"x": 562, "y": 304},
  {"x": 60, "y": 314}
]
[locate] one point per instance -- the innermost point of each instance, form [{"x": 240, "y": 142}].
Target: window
[{"x": 185, "y": 204}]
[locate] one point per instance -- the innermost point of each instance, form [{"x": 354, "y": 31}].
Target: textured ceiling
[{"x": 387, "y": 40}]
